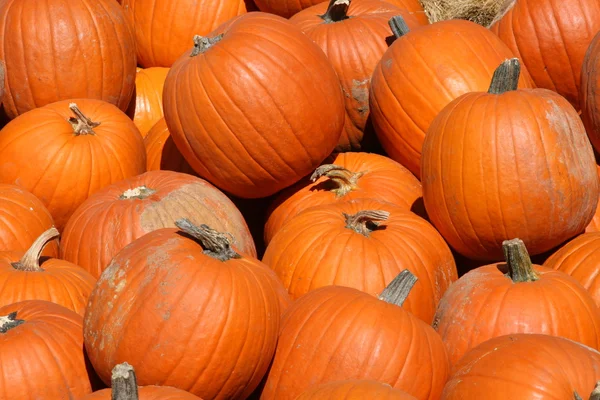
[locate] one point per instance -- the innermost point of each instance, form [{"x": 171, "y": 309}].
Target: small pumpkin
[
  {"x": 65, "y": 151},
  {"x": 349, "y": 176},
  {"x": 147, "y": 105},
  {"x": 161, "y": 152},
  {"x": 118, "y": 214},
  {"x": 355, "y": 390},
  {"x": 515, "y": 297}
]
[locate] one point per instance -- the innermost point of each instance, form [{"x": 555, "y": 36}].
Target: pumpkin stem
[
  {"x": 123, "y": 383},
  {"x": 398, "y": 26},
  {"x": 336, "y": 11},
  {"x": 31, "y": 259},
  {"x": 595, "y": 395},
  {"x": 365, "y": 222},
  {"x": 344, "y": 179},
  {"x": 9, "y": 321},
  {"x": 398, "y": 289},
  {"x": 215, "y": 244},
  {"x": 140, "y": 192},
  {"x": 81, "y": 124},
  {"x": 506, "y": 77},
  {"x": 520, "y": 268},
  {"x": 201, "y": 44}
]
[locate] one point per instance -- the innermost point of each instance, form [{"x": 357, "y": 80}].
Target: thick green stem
[{"x": 398, "y": 26}]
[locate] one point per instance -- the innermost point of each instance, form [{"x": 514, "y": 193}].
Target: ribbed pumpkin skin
[
  {"x": 525, "y": 367},
  {"x": 551, "y": 37},
  {"x": 50, "y": 345},
  {"x": 204, "y": 312},
  {"x": 164, "y": 28},
  {"x": 62, "y": 50},
  {"x": 355, "y": 390},
  {"x": 23, "y": 217},
  {"x": 535, "y": 180},
  {"x": 40, "y": 152},
  {"x": 590, "y": 92},
  {"x": 148, "y": 109},
  {"x": 267, "y": 94},
  {"x": 107, "y": 223},
  {"x": 316, "y": 249},
  {"x": 414, "y": 7},
  {"x": 354, "y": 46},
  {"x": 161, "y": 152},
  {"x": 338, "y": 333},
  {"x": 383, "y": 179},
  {"x": 594, "y": 225},
  {"x": 485, "y": 303},
  {"x": 420, "y": 74},
  {"x": 285, "y": 8},
  {"x": 147, "y": 393}
]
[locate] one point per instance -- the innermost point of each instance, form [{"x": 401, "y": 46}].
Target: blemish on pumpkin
[
  {"x": 167, "y": 315},
  {"x": 360, "y": 93}
]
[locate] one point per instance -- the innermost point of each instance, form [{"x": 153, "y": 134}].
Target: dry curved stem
[
  {"x": 81, "y": 124},
  {"x": 201, "y": 43},
  {"x": 9, "y": 322},
  {"x": 398, "y": 26},
  {"x": 399, "y": 289},
  {"x": 123, "y": 383},
  {"x": 30, "y": 261},
  {"x": 215, "y": 244},
  {"x": 506, "y": 77},
  {"x": 336, "y": 11},
  {"x": 520, "y": 268},
  {"x": 365, "y": 222},
  {"x": 345, "y": 180},
  {"x": 140, "y": 192},
  {"x": 595, "y": 395}
]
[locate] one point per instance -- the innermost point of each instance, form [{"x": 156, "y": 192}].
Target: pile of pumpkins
[{"x": 298, "y": 200}]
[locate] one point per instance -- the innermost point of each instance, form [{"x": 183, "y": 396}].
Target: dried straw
[{"x": 483, "y": 12}]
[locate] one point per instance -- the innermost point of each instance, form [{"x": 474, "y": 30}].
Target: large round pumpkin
[
  {"x": 161, "y": 152},
  {"x": 255, "y": 109},
  {"x": 147, "y": 107},
  {"x": 551, "y": 38},
  {"x": 187, "y": 293},
  {"x": 66, "y": 151},
  {"x": 423, "y": 71},
  {"x": 120, "y": 213},
  {"x": 590, "y": 92},
  {"x": 41, "y": 347},
  {"x": 525, "y": 367},
  {"x": 65, "y": 50},
  {"x": 285, "y": 8},
  {"x": 355, "y": 390},
  {"x": 354, "y": 36},
  {"x": 362, "y": 244},
  {"x": 164, "y": 28},
  {"x": 515, "y": 297},
  {"x": 488, "y": 178},
  {"x": 349, "y": 176}
]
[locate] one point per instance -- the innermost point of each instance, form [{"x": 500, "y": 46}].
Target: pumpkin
[
  {"x": 349, "y": 176},
  {"x": 535, "y": 179},
  {"x": 161, "y": 152},
  {"x": 277, "y": 120},
  {"x": 551, "y": 38},
  {"x": 163, "y": 28},
  {"x": 354, "y": 37},
  {"x": 199, "y": 300},
  {"x": 285, "y": 8},
  {"x": 414, "y": 7},
  {"x": 120, "y": 213},
  {"x": 525, "y": 367},
  {"x": 41, "y": 347},
  {"x": 124, "y": 387},
  {"x": 424, "y": 70},
  {"x": 147, "y": 107},
  {"x": 589, "y": 92},
  {"x": 66, "y": 151},
  {"x": 515, "y": 297},
  {"x": 355, "y": 390},
  {"x": 65, "y": 50},
  {"x": 362, "y": 244},
  {"x": 26, "y": 277},
  {"x": 594, "y": 225},
  {"x": 336, "y": 333},
  {"x": 23, "y": 217}
]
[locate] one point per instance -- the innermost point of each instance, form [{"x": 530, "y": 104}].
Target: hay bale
[{"x": 483, "y": 12}]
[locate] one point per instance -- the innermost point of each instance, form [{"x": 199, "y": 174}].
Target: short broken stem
[
  {"x": 81, "y": 124},
  {"x": 399, "y": 289},
  {"x": 595, "y": 395},
  {"x": 336, "y": 11},
  {"x": 201, "y": 43},
  {"x": 398, "y": 26},
  {"x": 345, "y": 180},
  {"x": 215, "y": 244},
  {"x": 365, "y": 222},
  {"x": 520, "y": 268},
  {"x": 31, "y": 259},
  {"x": 9, "y": 322},
  {"x": 123, "y": 383},
  {"x": 140, "y": 192},
  {"x": 506, "y": 77}
]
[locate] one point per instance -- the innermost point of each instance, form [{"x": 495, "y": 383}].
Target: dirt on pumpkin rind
[{"x": 482, "y": 12}]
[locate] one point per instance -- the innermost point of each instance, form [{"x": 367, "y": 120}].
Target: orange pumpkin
[
  {"x": 525, "y": 367},
  {"x": 65, "y": 50},
  {"x": 66, "y": 151},
  {"x": 551, "y": 38},
  {"x": 336, "y": 333},
  {"x": 355, "y": 390},
  {"x": 42, "y": 339},
  {"x": 486, "y": 303},
  {"x": 414, "y": 7},
  {"x": 349, "y": 176},
  {"x": 248, "y": 124},
  {"x": 163, "y": 28},
  {"x": 118, "y": 214},
  {"x": 226, "y": 308},
  {"x": 536, "y": 179},
  {"x": 354, "y": 36},
  {"x": 161, "y": 152},
  {"x": 594, "y": 225},
  {"x": 147, "y": 105},
  {"x": 285, "y": 8},
  {"x": 590, "y": 92},
  {"x": 423, "y": 71}
]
